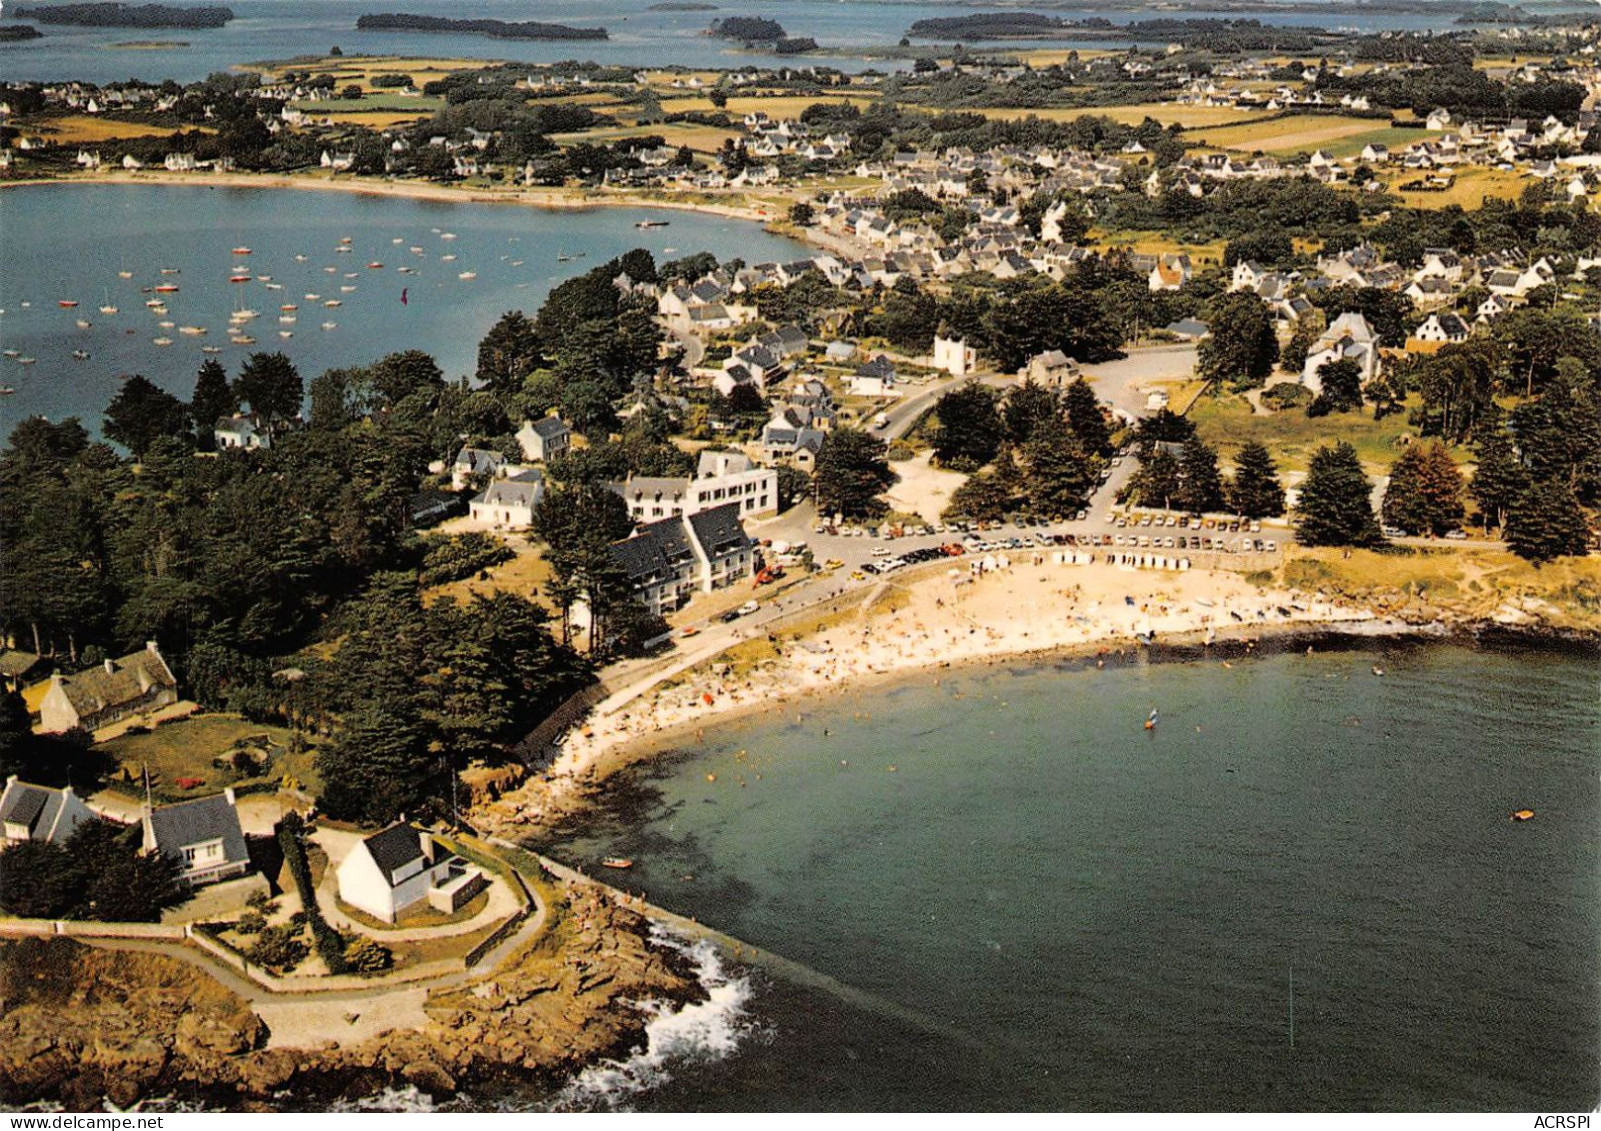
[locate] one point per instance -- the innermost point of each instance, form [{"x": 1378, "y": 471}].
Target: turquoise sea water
[
  {"x": 71, "y": 241},
  {"x": 280, "y": 29},
  {"x": 1037, "y": 904}
]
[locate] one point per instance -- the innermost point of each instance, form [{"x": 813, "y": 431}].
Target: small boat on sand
[
  {"x": 1522, "y": 815},
  {"x": 616, "y": 862}
]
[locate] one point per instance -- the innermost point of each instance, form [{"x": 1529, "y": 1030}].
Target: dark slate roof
[
  {"x": 549, "y": 427},
  {"x": 718, "y": 530},
  {"x": 656, "y": 550},
  {"x": 394, "y": 848},
  {"x": 23, "y": 804},
  {"x": 194, "y": 822},
  {"x": 880, "y": 366}
]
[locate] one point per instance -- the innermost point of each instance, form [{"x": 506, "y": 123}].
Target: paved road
[{"x": 1121, "y": 383}]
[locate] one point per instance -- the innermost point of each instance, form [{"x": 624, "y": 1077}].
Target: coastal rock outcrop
[{"x": 81, "y": 1024}]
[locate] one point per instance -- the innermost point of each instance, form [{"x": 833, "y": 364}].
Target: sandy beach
[
  {"x": 555, "y": 199},
  {"x": 937, "y": 621}
]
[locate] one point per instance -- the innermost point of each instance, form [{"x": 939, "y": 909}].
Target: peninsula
[{"x": 494, "y": 29}]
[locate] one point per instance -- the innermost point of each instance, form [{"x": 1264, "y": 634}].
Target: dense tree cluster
[{"x": 98, "y": 873}]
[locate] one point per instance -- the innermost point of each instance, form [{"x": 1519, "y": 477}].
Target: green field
[
  {"x": 1226, "y": 422},
  {"x": 187, "y": 749}
]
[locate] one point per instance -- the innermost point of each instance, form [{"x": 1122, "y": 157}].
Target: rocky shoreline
[{"x": 81, "y": 1025}]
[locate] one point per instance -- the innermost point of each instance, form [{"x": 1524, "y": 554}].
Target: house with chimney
[
  {"x": 402, "y": 866},
  {"x": 117, "y": 689},
  {"x": 203, "y": 835},
  {"x": 38, "y": 812},
  {"x": 670, "y": 560}
]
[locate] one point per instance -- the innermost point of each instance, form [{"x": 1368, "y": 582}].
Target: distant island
[
  {"x": 682, "y": 6},
  {"x": 747, "y": 29},
  {"x": 12, "y": 33},
  {"x": 495, "y": 29},
  {"x": 126, "y": 15},
  {"x": 1205, "y": 32}
]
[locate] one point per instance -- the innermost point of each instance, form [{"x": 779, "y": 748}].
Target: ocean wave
[
  {"x": 405, "y": 1098},
  {"x": 700, "y": 1032}
]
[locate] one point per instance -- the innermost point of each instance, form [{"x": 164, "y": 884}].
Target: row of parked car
[{"x": 886, "y": 564}]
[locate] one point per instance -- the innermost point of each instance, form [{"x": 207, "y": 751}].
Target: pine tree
[
  {"x": 1256, "y": 491},
  {"x": 1201, "y": 488},
  {"x": 1156, "y": 483},
  {"x": 1425, "y": 491},
  {"x": 1546, "y": 522},
  {"x": 852, "y": 472},
  {"x": 378, "y": 767},
  {"x": 1086, "y": 419},
  {"x": 1336, "y": 506},
  {"x": 213, "y": 399},
  {"x": 1026, "y": 409},
  {"x": 1500, "y": 477},
  {"x": 1059, "y": 479}
]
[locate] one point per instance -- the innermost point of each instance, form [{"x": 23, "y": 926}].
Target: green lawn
[
  {"x": 421, "y": 104},
  {"x": 1396, "y": 139},
  {"x": 1227, "y": 422},
  {"x": 187, "y": 749}
]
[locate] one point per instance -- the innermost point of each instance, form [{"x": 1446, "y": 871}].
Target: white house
[
  {"x": 203, "y": 835},
  {"x": 1349, "y": 338},
  {"x": 720, "y": 478},
  {"x": 954, "y": 356},
  {"x": 509, "y": 504},
  {"x": 240, "y": 431},
  {"x": 99, "y": 696},
  {"x": 544, "y": 439},
  {"x": 1441, "y": 328},
  {"x": 400, "y": 867},
  {"x": 37, "y": 812}
]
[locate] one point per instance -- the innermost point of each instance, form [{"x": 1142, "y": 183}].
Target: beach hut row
[{"x": 1121, "y": 558}]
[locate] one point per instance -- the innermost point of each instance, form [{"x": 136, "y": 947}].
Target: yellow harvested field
[
  {"x": 1290, "y": 134},
  {"x": 779, "y": 106},
  {"x": 364, "y": 68},
  {"x": 1159, "y": 243},
  {"x": 378, "y": 119},
  {"x": 705, "y": 139},
  {"x": 1190, "y": 117},
  {"x": 86, "y": 128},
  {"x": 1054, "y": 56},
  {"x": 1472, "y": 186}
]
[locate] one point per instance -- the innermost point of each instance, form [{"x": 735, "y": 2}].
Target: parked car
[{"x": 748, "y": 607}]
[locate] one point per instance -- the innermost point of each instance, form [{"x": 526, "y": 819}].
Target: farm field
[
  {"x": 1472, "y": 185},
  {"x": 778, "y": 106},
  {"x": 1190, "y": 117},
  {"x": 704, "y": 139},
  {"x": 1290, "y": 134},
  {"x": 371, "y": 103},
  {"x": 86, "y": 128},
  {"x": 375, "y": 119}
]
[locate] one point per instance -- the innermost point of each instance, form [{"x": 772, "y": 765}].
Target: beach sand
[{"x": 936, "y": 621}]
